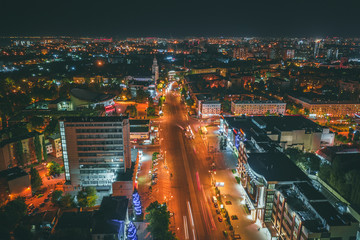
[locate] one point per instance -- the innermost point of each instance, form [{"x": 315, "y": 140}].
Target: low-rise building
[
  {"x": 55, "y": 141},
  {"x": 11, "y": 153},
  {"x": 110, "y": 222},
  {"x": 139, "y": 129},
  {"x": 285, "y": 131},
  {"x": 258, "y": 107},
  {"x": 320, "y": 109},
  {"x": 14, "y": 182},
  {"x": 82, "y": 98}
]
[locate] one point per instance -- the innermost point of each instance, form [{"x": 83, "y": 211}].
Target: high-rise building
[
  {"x": 240, "y": 53},
  {"x": 95, "y": 150},
  {"x": 155, "y": 69}
]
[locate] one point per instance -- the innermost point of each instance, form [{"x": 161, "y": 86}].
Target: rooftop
[
  {"x": 288, "y": 123},
  {"x": 95, "y": 119},
  {"x": 275, "y": 167},
  {"x": 114, "y": 208},
  {"x": 13, "y": 173},
  {"x": 18, "y": 138},
  {"x": 138, "y": 129},
  {"x": 259, "y": 101},
  {"x": 139, "y": 122},
  {"x": 90, "y": 96},
  {"x": 310, "y": 192},
  {"x": 75, "y": 220}
]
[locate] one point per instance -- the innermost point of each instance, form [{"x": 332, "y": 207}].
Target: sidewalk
[{"x": 231, "y": 192}]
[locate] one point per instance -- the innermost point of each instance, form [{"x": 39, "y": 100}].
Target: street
[{"x": 184, "y": 178}]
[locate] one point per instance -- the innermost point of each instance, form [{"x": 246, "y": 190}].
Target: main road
[{"x": 190, "y": 179}]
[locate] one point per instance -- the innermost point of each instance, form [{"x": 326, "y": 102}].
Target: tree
[
  {"x": 12, "y": 213},
  {"x": 35, "y": 179},
  {"x": 161, "y": 101},
  {"x": 87, "y": 197},
  {"x": 159, "y": 219},
  {"x": 150, "y": 111},
  {"x": 52, "y": 127},
  {"x": 22, "y": 232},
  {"x": 356, "y": 136},
  {"x": 44, "y": 149},
  {"x": 141, "y": 95},
  {"x": 53, "y": 168},
  {"x": 226, "y": 106},
  {"x": 67, "y": 201},
  {"x": 19, "y": 153},
  {"x": 190, "y": 102},
  {"x": 38, "y": 150},
  {"x": 36, "y": 121},
  {"x": 131, "y": 110},
  {"x": 56, "y": 196}
]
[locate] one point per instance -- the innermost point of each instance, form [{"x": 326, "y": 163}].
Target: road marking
[
  {"x": 186, "y": 228},
  {"x": 190, "y": 214}
]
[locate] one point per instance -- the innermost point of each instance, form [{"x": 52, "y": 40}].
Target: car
[
  {"x": 216, "y": 205},
  {"x": 234, "y": 217},
  {"x": 220, "y": 219},
  {"x": 228, "y": 203},
  {"x": 217, "y": 211}
]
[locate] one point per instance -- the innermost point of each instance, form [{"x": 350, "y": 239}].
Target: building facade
[
  {"x": 95, "y": 150},
  {"x": 258, "y": 107},
  {"x": 10, "y": 150},
  {"x": 301, "y": 212},
  {"x": 332, "y": 109},
  {"x": 209, "y": 109},
  {"x": 155, "y": 70}
]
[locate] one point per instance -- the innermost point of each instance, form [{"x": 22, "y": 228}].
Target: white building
[
  {"x": 155, "y": 69},
  {"x": 258, "y": 107},
  {"x": 209, "y": 109}
]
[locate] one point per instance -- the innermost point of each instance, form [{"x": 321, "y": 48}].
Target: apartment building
[
  {"x": 258, "y": 107},
  {"x": 319, "y": 109},
  {"x": 301, "y": 212},
  {"x": 95, "y": 150}
]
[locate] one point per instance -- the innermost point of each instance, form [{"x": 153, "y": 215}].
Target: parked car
[{"x": 220, "y": 219}]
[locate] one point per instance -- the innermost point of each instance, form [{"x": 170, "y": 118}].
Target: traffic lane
[
  {"x": 178, "y": 185},
  {"x": 186, "y": 203},
  {"x": 201, "y": 212}
]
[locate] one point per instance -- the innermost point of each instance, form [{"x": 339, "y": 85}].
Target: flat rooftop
[
  {"x": 310, "y": 192},
  {"x": 13, "y": 173},
  {"x": 288, "y": 123},
  {"x": 95, "y": 119},
  {"x": 275, "y": 167}
]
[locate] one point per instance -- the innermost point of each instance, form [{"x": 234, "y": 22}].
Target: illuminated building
[
  {"x": 240, "y": 53},
  {"x": 321, "y": 109},
  {"x": 8, "y": 147},
  {"x": 14, "y": 182},
  {"x": 258, "y": 107},
  {"x": 155, "y": 69},
  {"x": 301, "y": 212},
  {"x": 82, "y": 98},
  {"x": 95, "y": 150}
]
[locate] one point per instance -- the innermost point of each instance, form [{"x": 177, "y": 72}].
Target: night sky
[{"x": 133, "y": 18}]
